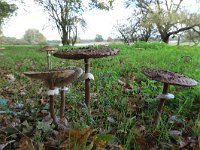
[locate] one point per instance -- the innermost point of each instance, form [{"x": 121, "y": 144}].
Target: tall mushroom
[
  {"x": 49, "y": 50},
  {"x": 53, "y": 79},
  {"x": 86, "y": 53},
  {"x": 62, "y": 82},
  {"x": 168, "y": 78}
]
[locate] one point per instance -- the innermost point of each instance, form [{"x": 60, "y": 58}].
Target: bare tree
[
  {"x": 136, "y": 28},
  {"x": 67, "y": 15},
  {"x": 169, "y": 17},
  {"x": 193, "y": 35}
]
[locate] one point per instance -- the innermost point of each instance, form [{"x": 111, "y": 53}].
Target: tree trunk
[
  {"x": 65, "y": 39},
  {"x": 178, "y": 41},
  {"x": 165, "y": 38},
  {"x": 74, "y": 39}
]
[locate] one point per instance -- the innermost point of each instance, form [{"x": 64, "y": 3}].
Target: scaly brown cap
[
  {"x": 86, "y": 52},
  {"x": 170, "y": 77}
]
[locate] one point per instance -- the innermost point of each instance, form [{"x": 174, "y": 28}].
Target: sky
[{"x": 98, "y": 21}]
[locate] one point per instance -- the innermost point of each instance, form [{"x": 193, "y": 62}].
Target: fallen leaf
[
  {"x": 175, "y": 134},
  {"x": 111, "y": 120},
  {"x": 24, "y": 144},
  {"x": 99, "y": 143},
  {"x": 11, "y": 77},
  {"x": 3, "y": 137},
  {"x": 101, "y": 140},
  {"x": 75, "y": 138}
]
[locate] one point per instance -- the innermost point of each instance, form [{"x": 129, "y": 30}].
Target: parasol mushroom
[
  {"x": 86, "y": 53},
  {"x": 53, "y": 79},
  {"x": 168, "y": 78},
  {"x": 49, "y": 50}
]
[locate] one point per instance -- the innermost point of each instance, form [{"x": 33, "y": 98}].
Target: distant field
[{"x": 127, "y": 116}]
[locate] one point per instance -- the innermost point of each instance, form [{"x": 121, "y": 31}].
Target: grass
[{"x": 127, "y": 116}]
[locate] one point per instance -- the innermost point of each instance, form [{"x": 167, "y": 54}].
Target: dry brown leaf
[
  {"x": 75, "y": 137},
  {"x": 9, "y": 102},
  {"x": 24, "y": 144},
  {"x": 41, "y": 101},
  {"x": 3, "y": 137},
  {"x": 120, "y": 147},
  {"x": 99, "y": 143},
  {"x": 42, "y": 113}
]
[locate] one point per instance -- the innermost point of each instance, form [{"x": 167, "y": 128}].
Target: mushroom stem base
[
  {"x": 161, "y": 105},
  {"x": 51, "y": 108},
  {"x": 159, "y": 111}
]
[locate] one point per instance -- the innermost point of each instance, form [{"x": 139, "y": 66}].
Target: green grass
[{"x": 129, "y": 111}]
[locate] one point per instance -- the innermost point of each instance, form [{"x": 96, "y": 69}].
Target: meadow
[{"x": 120, "y": 115}]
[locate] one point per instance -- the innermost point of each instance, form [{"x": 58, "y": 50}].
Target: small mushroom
[
  {"x": 168, "y": 78},
  {"x": 49, "y": 50},
  {"x": 53, "y": 79},
  {"x": 86, "y": 53}
]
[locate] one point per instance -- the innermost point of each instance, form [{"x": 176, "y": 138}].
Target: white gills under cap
[
  {"x": 88, "y": 76},
  {"x": 165, "y": 96},
  {"x": 53, "y": 92}
]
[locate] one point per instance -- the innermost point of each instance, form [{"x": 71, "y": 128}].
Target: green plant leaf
[{"x": 105, "y": 137}]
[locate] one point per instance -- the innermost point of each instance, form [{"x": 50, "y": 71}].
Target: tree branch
[{"x": 182, "y": 29}]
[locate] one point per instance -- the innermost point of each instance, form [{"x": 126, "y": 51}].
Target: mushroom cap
[
  {"x": 49, "y": 74},
  {"x": 86, "y": 52},
  {"x": 58, "y": 77},
  {"x": 48, "y": 48},
  {"x": 68, "y": 79},
  {"x": 169, "y": 77}
]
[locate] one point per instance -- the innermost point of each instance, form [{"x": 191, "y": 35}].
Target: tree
[
  {"x": 193, "y": 35},
  {"x": 109, "y": 39},
  {"x": 33, "y": 36},
  {"x": 135, "y": 28},
  {"x": 6, "y": 10},
  {"x": 67, "y": 15},
  {"x": 169, "y": 17},
  {"x": 98, "y": 38}
]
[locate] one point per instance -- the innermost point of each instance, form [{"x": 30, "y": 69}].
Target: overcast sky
[{"x": 98, "y": 22}]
